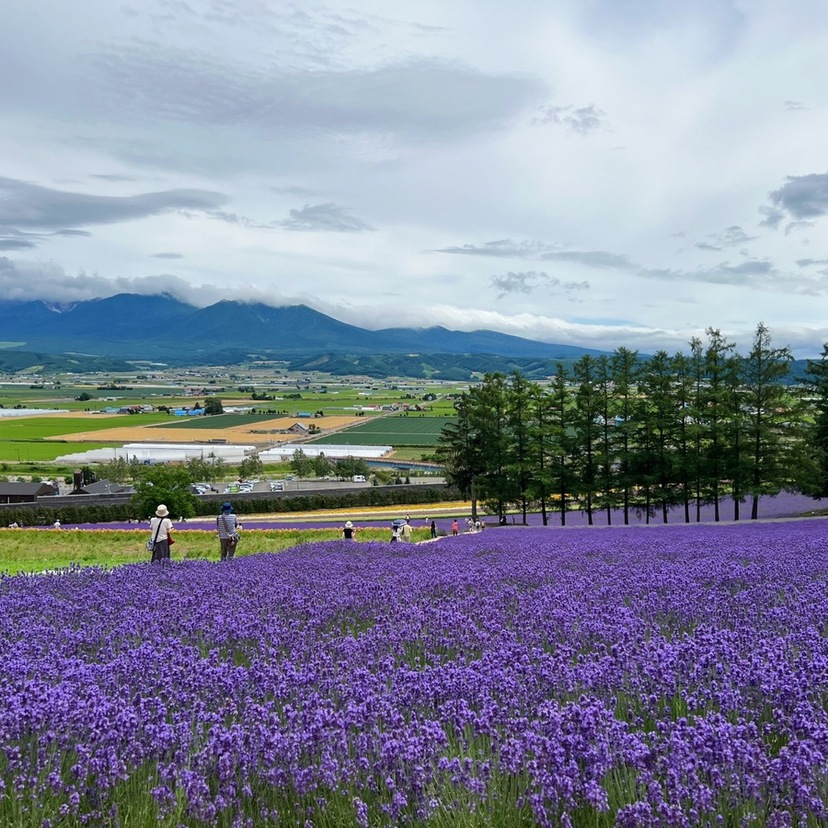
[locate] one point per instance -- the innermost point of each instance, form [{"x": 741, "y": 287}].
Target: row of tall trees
[{"x": 618, "y": 432}]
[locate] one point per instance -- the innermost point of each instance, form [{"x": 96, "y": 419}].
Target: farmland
[
  {"x": 262, "y": 422},
  {"x": 41, "y": 439},
  {"x": 217, "y": 422},
  {"x": 41, "y": 428},
  {"x": 518, "y": 677},
  {"x": 12, "y": 451},
  {"x": 391, "y": 431}
]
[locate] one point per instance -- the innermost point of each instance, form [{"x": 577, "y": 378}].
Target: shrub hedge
[{"x": 39, "y": 515}]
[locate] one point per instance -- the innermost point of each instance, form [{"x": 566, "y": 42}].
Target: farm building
[
  {"x": 104, "y": 487},
  {"x": 24, "y": 492},
  {"x": 285, "y": 452},
  {"x": 150, "y": 453}
]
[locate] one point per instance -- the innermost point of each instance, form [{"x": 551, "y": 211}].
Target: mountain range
[{"x": 164, "y": 329}]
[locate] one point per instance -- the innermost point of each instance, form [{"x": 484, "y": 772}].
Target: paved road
[{"x": 317, "y": 483}]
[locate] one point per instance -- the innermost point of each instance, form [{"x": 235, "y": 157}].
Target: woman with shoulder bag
[
  {"x": 227, "y": 524},
  {"x": 160, "y": 528}
]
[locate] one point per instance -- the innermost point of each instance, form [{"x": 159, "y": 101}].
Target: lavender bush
[{"x": 673, "y": 676}]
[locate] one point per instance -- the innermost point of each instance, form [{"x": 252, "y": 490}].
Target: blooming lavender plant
[{"x": 672, "y": 676}]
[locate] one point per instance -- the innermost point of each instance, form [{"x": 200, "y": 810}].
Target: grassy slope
[{"x": 37, "y": 550}]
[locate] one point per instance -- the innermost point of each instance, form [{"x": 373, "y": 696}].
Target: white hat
[
  {"x": 348, "y": 524},
  {"x": 162, "y": 511}
]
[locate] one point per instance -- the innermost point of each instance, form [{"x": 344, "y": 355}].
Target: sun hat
[
  {"x": 162, "y": 511},
  {"x": 227, "y": 506},
  {"x": 348, "y": 524}
]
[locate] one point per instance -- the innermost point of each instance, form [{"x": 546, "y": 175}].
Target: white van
[{"x": 358, "y": 478}]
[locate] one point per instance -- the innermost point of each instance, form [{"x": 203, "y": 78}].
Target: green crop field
[
  {"x": 37, "y": 428},
  {"x": 28, "y": 451},
  {"x": 390, "y": 431},
  {"x": 24, "y": 439}
]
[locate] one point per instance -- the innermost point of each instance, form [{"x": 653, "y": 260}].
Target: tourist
[
  {"x": 228, "y": 527},
  {"x": 160, "y": 528},
  {"x": 405, "y": 530},
  {"x": 454, "y": 527},
  {"x": 348, "y": 530},
  {"x": 433, "y": 529}
]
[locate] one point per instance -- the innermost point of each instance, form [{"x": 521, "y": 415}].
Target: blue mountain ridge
[{"x": 163, "y": 327}]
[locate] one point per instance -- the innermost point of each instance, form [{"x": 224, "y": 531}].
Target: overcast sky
[{"x": 592, "y": 172}]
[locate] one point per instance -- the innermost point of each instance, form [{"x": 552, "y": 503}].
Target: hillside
[{"x": 163, "y": 328}]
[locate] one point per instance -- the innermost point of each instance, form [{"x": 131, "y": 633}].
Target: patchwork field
[
  {"x": 252, "y": 430},
  {"x": 217, "y": 421},
  {"x": 67, "y": 426},
  {"x": 413, "y": 430}
]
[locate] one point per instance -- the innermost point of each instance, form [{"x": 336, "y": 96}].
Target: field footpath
[{"x": 458, "y": 508}]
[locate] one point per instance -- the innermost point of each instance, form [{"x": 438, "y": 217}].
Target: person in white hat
[
  {"x": 160, "y": 528},
  {"x": 348, "y": 530}
]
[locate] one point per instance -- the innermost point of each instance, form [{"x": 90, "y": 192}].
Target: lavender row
[
  {"x": 638, "y": 677},
  {"x": 785, "y": 505}
]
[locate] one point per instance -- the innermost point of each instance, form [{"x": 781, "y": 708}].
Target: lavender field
[{"x": 645, "y": 676}]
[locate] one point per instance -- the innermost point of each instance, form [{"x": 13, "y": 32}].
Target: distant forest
[{"x": 619, "y": 432}]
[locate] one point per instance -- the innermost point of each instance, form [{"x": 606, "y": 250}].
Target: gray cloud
[
  {"x": 502, "y": 248},
  {"x": 166, "y": 256},
  {"x": 13, "y": 239},
  {"x": 543, "y": 251},
  {"x": 546, "y": 252},
  {"x": 753, "y": 267},
  {"x": 425, "y": 98},
  {"x": 757, "y": 274},
  {"x": 579, "y": 119},
  {"x": 795, "y": 106},
  {"x": 292, "y": 191},
  {"x": 800, "y": 197},
  {"x": 16, "y": 244},
  {"x": 811, "y": 262},
  {"x": 599, "y": 259},
  {"x": 324, "y": 218},
  {"x": 729, "y": 237},
  {"x": 236, "y": 218},
  {"x": 517, "y": 282},
  {"x": 529, "y": 281},
  {"x": 118, "y": 179},
  {"x": 773, "y": 218},
  {"x": 798, "y": 225},
  {"x": 31, "y": 206}
]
